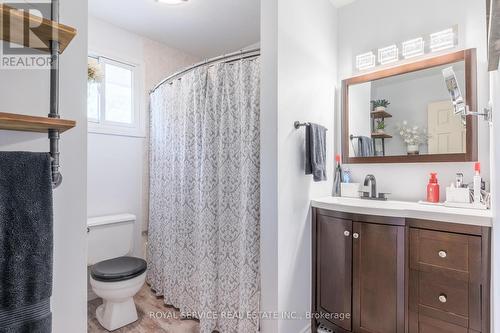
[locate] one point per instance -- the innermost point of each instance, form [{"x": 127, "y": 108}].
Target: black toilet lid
[{"x": 118, "y": 269}]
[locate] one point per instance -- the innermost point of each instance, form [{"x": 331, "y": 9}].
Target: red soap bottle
[{"x": 433, "y": 188}]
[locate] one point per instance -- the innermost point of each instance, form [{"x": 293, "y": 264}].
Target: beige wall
[{"x": 161, "y": 61}]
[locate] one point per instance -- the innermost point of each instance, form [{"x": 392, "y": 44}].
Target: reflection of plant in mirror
[
  {"x": 380, "y": 125},
  {"x": 379, "y": 103},
  {"x": 412, "y": 135}
]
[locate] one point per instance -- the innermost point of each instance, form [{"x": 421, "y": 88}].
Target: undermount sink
[{"x": 406, "y": 209}]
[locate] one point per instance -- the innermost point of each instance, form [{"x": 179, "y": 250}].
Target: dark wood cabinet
[
  {"x": 334, "y": 244},
  {"x": 374, "y": 274},
  {"x": 378, "y": 278},
  {"x": 445, "y": 281}
]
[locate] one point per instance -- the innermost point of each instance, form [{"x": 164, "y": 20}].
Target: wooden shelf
[
  {"x": 380, "y": 114},
  {"x": 17, "y": 122},
  {"x": 381, "y": 136},
  {"x": 14, "y": 21}
]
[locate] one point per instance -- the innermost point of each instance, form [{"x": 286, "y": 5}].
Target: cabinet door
[
  {"x": 378, "y": 278},
  {"x": 334, "y": 265}
]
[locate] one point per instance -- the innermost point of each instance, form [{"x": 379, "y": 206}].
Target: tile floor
[{"x": 146, "y": 302}]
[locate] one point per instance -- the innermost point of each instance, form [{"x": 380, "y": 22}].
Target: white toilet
[{"x": 114, "y": 276}]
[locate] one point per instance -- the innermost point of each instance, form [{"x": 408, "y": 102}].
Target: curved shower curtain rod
[{"x": 238, "y": 55}]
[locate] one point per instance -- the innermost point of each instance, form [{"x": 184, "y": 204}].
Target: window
[
  {"x": 118, "y": 93},
  {"x": 113, "y": 100}
]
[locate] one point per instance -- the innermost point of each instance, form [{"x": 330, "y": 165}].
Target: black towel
[
  {"x": 316, "y": 151},
  {"x": 26, "y": 242}
]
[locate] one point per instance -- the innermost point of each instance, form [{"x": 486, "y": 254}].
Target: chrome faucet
[{"x": 373, "y": 191}]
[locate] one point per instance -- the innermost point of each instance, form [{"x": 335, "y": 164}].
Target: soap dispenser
[
  {"x": 477, "y": 183},
  {"x": 338, "y": 178},
  {"x": 433, "y": 189}
]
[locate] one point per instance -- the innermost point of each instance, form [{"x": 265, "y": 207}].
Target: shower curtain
[{"x": 204, "y": 234}]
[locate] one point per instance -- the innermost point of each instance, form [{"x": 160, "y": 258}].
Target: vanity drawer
[
  {"x": 431, "y": 325},
  {"x": 436, "y": 291},
  {"x": 440, "y": 249},
  {"x": 445, "y": 282}
]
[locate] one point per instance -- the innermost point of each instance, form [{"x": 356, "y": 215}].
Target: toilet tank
[{"x": 109, "y": 237}]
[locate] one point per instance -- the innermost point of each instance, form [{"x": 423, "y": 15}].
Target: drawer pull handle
[
  {"x": 355, "y": 235},
  {"x": 442, "y": 254},
  {"x": 346, "y": 233},
  {"x": 442, "y": 298}
]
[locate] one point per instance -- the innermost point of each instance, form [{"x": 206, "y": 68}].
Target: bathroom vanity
[{"x": 396, "y": 267}]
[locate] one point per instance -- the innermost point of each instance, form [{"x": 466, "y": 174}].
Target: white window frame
[{"x": 103, "y": 126}]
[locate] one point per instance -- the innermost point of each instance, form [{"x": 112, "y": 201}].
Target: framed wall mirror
[{"x": 404, "y": 114}]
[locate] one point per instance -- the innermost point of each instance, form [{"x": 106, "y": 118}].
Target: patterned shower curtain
[{"x": 204, "y": 239}]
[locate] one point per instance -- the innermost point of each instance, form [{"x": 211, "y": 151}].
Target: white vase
[
  {"x": 380, "y": 109},
  {"x": 412, "y": 149}
]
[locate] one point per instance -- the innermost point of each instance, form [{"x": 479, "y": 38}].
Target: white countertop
[{"x": 406, "y": 209}]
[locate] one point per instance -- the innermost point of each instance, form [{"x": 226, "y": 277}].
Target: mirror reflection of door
[{"x": 446, "y": 130}]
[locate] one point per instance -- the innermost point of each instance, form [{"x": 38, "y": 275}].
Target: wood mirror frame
[{"x": 469, "y": 57}]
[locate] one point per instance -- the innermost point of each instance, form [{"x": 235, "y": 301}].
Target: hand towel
[
  {"x": 316, "y": 151},
  {"x": 365, "y": 146},
  {"x": 26, "y": 242}
]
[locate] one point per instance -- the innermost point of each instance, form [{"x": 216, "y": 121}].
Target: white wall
[
  {"x": 27, "y": 92},
  {"x": 307, "y": 75},
  {"x": 118, "y": 165},
  {"x": 495, "y": 184},
  {"x": 359, "y": 33},
  {"x": 269, "y": 163}
]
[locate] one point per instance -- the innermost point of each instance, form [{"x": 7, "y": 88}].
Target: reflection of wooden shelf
[
  {"x": 18, "y": 122},
  {"x": 380, "y": 114},
  {"x": 381, "y": 136},
  {"x": 14, "y": 22}
]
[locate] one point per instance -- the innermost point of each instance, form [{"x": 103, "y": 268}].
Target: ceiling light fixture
[{"x": 172, "y": 2}]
